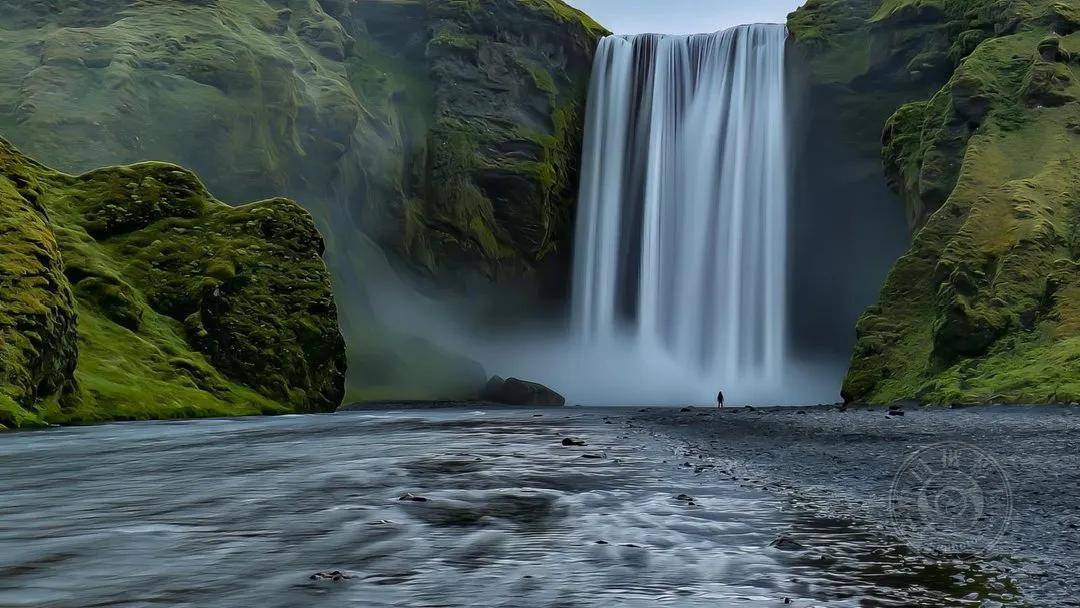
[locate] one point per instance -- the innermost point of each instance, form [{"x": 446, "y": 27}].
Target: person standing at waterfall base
[{"x": 720, "y": 400}]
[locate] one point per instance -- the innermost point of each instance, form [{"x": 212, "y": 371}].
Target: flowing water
[
  {"x": 681, "y": 251},
  {"x": 237, "y": 513}
]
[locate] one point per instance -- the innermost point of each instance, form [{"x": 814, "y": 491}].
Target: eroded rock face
[
  {"x": 984, "y": 305},
  {"x": 450, "y": 131},
  {"x": 185, "y": 306}
]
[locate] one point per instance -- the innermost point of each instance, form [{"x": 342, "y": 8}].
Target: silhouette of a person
[{"x": 720, "y": 400}]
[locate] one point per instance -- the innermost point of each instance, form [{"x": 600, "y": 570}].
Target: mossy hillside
[
  {"x": 185, "y": 306},
  {"x": 510, "y": 82},
  {"x": 342, "y": 105},
  {"x": 983, "y": 307},
  {"x": 328, "y": 102},
  {"x": 867, "y": 57},
  {"x": 37, "y": 309}
]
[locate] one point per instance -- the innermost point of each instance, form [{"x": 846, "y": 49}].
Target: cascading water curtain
[{"x": 681, "y": 236}]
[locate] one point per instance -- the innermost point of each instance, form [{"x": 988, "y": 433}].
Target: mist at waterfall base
[{"x": 691, "y": 260}]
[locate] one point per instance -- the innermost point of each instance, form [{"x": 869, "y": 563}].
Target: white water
[
  {"x": 681, "y": 259},
  {"x": 681, "y": 256}
]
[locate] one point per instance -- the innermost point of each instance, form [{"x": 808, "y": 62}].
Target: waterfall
[{"x": 681, "y": 252}]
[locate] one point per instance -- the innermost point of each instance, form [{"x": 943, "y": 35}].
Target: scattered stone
[
  {"x": 571, "y": 441},
  {"x": 786, "y": 544},
  {"x": 412, "y": 498},
  {"x": 336, "y": 576}
]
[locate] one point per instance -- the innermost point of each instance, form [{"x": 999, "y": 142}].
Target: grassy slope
[
  {"x": 983, "y": 307},
  {"x": 185, "y": 307}
]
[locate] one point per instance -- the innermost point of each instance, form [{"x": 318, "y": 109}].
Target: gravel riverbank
[{"x": 1009, "y": 477}]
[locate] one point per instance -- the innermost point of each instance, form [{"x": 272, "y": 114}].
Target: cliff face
[
  {"x": 130, "y": 293},
  {"x": 444, "y": 132},
  {"x": 985, "y": 305},
  {"x": 447, "y": 129}
]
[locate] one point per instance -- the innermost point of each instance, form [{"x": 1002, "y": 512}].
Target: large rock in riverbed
[{"x": 520, "y": 392}]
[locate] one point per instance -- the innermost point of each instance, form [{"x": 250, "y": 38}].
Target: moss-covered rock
[
  {"x": 131, "y": 293},
  {"x": 983, "y": 307},
  {"x": 37, "y": 310}
]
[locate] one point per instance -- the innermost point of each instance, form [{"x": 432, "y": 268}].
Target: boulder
[{"x": 520, "y": 392}]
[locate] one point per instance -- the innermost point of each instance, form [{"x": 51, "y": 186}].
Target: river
[{"x": 425, "y": 508}]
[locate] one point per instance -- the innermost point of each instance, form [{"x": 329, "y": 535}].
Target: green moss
[
  {"x": 836, "y": 33},
  {"x": 983, "y": 307},
  {"x": 981, "y": 150},
  {"x": 37, "y": 310},
  {"x": 185, "y": 306}
]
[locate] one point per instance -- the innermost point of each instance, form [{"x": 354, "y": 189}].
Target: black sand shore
[{"x": 847, "y": 462}]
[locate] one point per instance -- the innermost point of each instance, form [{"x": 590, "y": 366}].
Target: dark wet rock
[
  {"x": 784, "y": 543},
  {"x": 687, "y": 409},
  {"x": 412, "y": 498},
  {"x": 513, "y": 391},
  {"x": 571, "y": 441},
  {"x": 891, "y": 413},
  {"x": 336, "y": 576},
  {"x": 592, "y": 456},
  {"x": 685, "y": 498},
  {"x": 493, "y": 386},
  {"x": 602, "y": 542}
]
